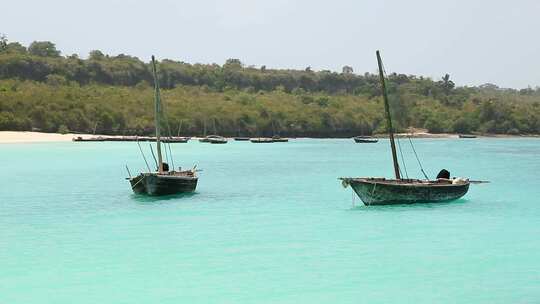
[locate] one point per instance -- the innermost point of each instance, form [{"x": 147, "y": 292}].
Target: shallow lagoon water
[{"x": 268, "y": 224}]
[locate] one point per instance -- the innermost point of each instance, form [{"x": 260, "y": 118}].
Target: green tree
[
  {"x": 96, "y": 55},
  {"x": 347, "y": 70},
  {"x": 43, "y": 49},
  {"x": 3, "y": 43},
  {"x": 446, "y": 84},
  {"x": 15, "y": 47}
]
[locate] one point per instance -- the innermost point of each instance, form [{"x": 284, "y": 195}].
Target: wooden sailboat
[
  {"x": 276, "y": 137},
  {"x": 163, "y": 181},
  {"x": 213, "y": 139},
  {"x": 382, "y": 191}
]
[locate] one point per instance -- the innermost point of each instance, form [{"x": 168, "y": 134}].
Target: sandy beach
[
  {"x": 32, "y": 137},
  {"x": 7, "y": 137}
]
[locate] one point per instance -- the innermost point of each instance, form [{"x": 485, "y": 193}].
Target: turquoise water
[{"x": 268, "y": 224}]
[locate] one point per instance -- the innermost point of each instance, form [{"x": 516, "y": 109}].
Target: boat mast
[
  {"x": 204, "y": 127},
  {"x": 388, "y": 118},
  {"x": 157, "y": 112}
]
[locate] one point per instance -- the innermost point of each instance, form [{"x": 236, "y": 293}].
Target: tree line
[{"x": 41, "y": 89}]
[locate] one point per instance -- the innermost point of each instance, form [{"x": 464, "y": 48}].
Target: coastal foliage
[{"x": 41, "y": 89}]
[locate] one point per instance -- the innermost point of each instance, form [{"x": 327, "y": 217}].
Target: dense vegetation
[{"x": 42, "y": 90}]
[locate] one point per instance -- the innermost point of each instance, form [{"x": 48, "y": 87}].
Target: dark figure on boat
[{"x": 444, "y": 174}]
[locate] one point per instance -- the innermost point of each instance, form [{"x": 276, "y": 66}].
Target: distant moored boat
[
  {"x": 277, "y": 138},
  {"x": 261, "y": 140},
  {"x": 218, "y": 140},
  {"x": 213, "y": 139},
  {"x": 365, "y": 140}
]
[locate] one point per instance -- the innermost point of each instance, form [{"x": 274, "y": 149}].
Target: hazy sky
[{"x": 475, "y": 41}]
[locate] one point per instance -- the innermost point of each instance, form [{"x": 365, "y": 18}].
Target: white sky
[{"x": 475, "y": 41}]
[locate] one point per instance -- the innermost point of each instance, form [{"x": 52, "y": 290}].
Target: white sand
[{"x": 30, "y": 137}]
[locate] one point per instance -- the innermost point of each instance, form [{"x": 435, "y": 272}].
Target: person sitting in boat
[
  {"x": 165, "y": 167},
  {"x": 444, "y": 176}
]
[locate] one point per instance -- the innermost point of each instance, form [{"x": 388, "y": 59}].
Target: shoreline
[{"x": 7, "y": 137}]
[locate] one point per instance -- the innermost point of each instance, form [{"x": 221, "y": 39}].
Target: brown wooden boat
[{"x": 381, "y": 191}]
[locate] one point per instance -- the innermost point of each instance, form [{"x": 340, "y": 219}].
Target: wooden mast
[
  {"x": 388, "y": 118},
  {"x": 157, "y": 115}
]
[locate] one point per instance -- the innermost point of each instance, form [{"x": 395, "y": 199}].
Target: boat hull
[
  {"x": 177, "y": 140},
  {"x": 217, "y": 141},
  {"x": 390, "y": 192},
  {"x": 261, "y": 140},
  {"x": 365, "y": 140},
  {"x": 158, "y": 184}
]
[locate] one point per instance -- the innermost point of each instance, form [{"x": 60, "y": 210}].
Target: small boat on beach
[
  {"x": 82, "y": 139},
  {"x": 277, "y": 138},
  {"x": 218, "y": 140},
  {"x": 169, "y": 139},
  {"x": 261, "y": 140},
  {"x": 365, "y": 140},
  {"x": 467, "y": 136},
  {"x": 213, "y": 139},
  {"x": 181, "y": 140},
  {"x": 382, "y": 191},
  {"x": 163, "y": 181},
  {"x": 241, "y": 138}
]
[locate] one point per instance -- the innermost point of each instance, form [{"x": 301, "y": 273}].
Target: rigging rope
[
  {"x": 412, "y": 146},
  {"x": 402, "y": 158},
  {"x": 168, "y": 144},
  {"x": 140, "y": 149},
  {"x": 418, "y": 159}
]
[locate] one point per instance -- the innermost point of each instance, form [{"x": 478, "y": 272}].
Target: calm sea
[{"x": 268, "y": 224}]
